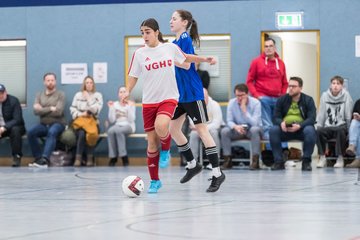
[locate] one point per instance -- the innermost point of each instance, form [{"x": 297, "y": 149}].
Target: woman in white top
[
  {"x": 155, "y": 64},
  {"x": 85, "y": 109},
  {"x": 122, "y": 116}
]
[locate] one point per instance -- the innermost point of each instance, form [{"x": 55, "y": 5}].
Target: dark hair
[
  {"x": 153, "y": 24},
  {"x": 191, "y": 26},
  {"x": 49, "y": 73},
  {"x": 242, "y": 88},
  {"x": 297, "y": 79},
  {"x": 270, "y": 39},
  {"x": 338, "y": 78}
]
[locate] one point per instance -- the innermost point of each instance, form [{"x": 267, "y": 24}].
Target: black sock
[
  {"x": 212, "y": 155},
  {"x": 186, "y": 151}
]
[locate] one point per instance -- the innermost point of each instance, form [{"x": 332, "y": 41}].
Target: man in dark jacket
[
  {"x": 11, "y": 123},
  {"x": 294, "y": 118}
]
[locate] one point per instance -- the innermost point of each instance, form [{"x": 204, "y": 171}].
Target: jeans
[
  {"x": 354, "y": 135},
  {"x": 267, "y": 113},
  {"x": 307, "y": 135},
  {"x": 51, "y": 132}
]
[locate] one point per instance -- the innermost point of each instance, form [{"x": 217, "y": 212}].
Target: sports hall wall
[{"x": 95, "y": 33}]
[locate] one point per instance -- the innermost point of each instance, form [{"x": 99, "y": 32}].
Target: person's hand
[
  {"x": 283, "y": 126},
  {"x": 86, "y": 95},
  {"x": 211, "y": 60},
  {"x": 294, "y": 128},
  {"x": 243, "y": 105},
  {"x": 240, "y": 129},
  {"x": 53, "y": 109},
  {"x": 125, "y": 98},
  {"x": 356, "y": 116},
  {"x": 110, "y": 103},
  {"x": 131, "y": 103},
  {"x": 37, "y": 106},
  {"x": 2, "y": 130}
]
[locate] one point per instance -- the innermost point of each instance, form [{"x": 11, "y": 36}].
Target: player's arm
[
  {"x": 184, "y": 65},
  {"x": 199, "y": 59},
  {"x": 129, "y": 87}
]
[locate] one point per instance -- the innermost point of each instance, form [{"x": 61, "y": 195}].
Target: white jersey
[{"x": 156, "y": 66}]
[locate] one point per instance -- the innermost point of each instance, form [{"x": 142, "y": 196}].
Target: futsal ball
[{"x": 132, "y": 186}]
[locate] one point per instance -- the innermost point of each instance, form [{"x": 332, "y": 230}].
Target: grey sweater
[
  {"x": 334, "y": 110},
  {"x": 55, "y": 99}
]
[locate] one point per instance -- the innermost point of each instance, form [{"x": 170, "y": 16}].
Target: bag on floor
[
  {"x": 61, "y": 158},
  {"x": 294, "y": 154}
]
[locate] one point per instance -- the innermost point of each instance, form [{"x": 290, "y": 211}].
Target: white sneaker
[
  {"x": 339, "y": 162},
  {"x": 322, "y": 162}
]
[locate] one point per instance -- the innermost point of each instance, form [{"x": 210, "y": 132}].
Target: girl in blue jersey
[{"x": 191, "y": 102}]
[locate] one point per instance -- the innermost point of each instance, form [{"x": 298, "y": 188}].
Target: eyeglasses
[{"x": 293, "y": 86}]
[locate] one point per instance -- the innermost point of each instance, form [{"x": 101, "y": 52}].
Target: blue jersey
[{"x": 188, "y": 81}]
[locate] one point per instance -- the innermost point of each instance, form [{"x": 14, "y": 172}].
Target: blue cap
[{"x": 2, "y": 88}]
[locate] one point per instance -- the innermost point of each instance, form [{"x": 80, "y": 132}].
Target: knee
[
  {"x": 161, "y": 129},
  {"x": 15, "y": 131},
  {"x": 255, "y": 130},
  {"x": 275, "y": 130},
  {"x": 225, "y": 132},
  {"x": 111, "y": 131}
]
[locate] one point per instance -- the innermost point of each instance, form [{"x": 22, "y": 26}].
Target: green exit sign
[{"x": 289, "y": 20}]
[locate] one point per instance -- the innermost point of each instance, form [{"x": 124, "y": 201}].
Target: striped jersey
[
  {"x": 156, "y": 67},
  {"x": 188, "y": 81}
]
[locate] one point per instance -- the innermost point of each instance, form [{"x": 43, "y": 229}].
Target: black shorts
[{"x": 195, "y": 110}]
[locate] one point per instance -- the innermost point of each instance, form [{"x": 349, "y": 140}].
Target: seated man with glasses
[{"x": 294, "y": 119}]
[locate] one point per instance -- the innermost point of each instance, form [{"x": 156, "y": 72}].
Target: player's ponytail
[{"x": 191, "y": 26}]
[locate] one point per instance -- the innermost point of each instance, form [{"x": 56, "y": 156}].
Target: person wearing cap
[{"x": 11, "y": 123}]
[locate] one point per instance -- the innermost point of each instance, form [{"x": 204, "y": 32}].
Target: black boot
[
  {"x": 227, "y": 163},
  {"x": 112, "y": 162},
  {"x": 125, "y": 161},
  {"x": 16, "y": 161}
]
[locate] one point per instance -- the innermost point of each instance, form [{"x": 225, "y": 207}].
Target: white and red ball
[{"x": 132, "y": 186}]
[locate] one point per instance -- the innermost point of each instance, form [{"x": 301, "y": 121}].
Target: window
[
  {"x": 211, "y": 45},
  {"x": 13, "y": 67}
]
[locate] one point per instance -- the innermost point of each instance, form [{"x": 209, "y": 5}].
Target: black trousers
[
  {"x": 15, "y": 133},
  {"x": 324, "y": 134}
]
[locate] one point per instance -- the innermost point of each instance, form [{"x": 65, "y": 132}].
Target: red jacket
[{"x": 267, "y": 77}]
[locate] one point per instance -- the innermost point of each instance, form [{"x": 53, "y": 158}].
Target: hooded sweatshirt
[
  {"x": 334, "y": 111},
  {"x": 267, "y": 77}
]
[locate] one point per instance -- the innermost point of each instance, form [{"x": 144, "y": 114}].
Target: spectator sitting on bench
[
  {"x": 333, "y": 120},
  {"x": 243, "y": 119},
  {"x": 294, "y": 118},
  {"x": 49, "y": 106},
  {"x": 214, "y": 124},
  {"x": 123, "y": 115},
  {"x": 85, "y": 109},
  {"x": 11, "y": 123},
  {"x": 354, "y": 137}
]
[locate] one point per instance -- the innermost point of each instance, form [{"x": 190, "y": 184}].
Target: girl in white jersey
[{"x": 155, "y": 64}]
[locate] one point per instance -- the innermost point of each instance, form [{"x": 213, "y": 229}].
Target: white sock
[
  {"x": 191, "y": 164},
  {"x": 216, "y": 172}
]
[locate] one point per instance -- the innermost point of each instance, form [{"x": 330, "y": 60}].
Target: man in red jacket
[{"x": 267, "y": 81}]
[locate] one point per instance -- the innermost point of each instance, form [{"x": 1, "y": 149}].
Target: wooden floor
[{"x": 88, "y": 203}]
